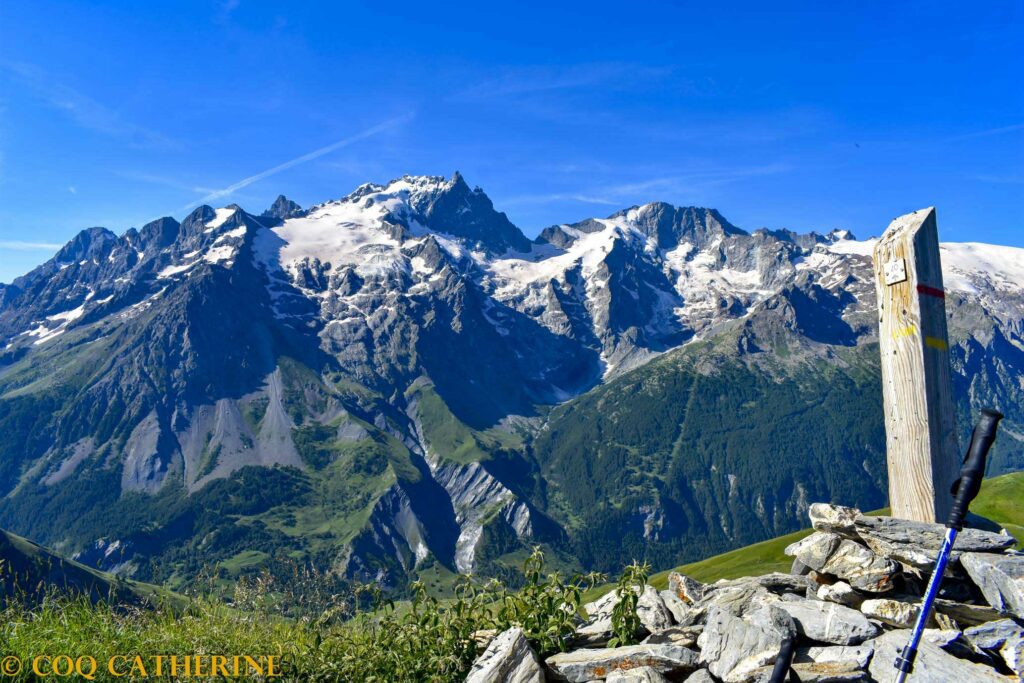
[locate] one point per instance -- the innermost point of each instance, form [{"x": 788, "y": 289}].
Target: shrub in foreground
[{"x": 357, "y": 635}]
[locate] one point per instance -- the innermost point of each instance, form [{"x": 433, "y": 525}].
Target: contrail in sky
[
  {"x": 29, "y": 246},
  {"x": 369, "y": 132}
]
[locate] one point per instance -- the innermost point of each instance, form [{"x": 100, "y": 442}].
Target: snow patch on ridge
[
  {"x": 222, "y": 216},
  {"x": 965, "y": 265}
]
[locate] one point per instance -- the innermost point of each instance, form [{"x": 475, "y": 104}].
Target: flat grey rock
[
  {"x": 735, "y": 648},
  {"x": 836, "y": 519},
  {"x": 855, "y": 656},
  {"x": 957, "y": 644},
  {"x": 917, "y": 544},
  {"x": 508, "y": 659},
  {"x": 700, "y": 676},
  {"x": 963, "y": 613},
  {"x": 1012, "y": 653},
  {"x": 828, "y": 622},
  {"x": 829, "y": 553},
  {"x": 992, "y": 635},
  {"x": 932, "y": 665},
  {"x": 776, "y": 582},
  {"x": 590, "y": 664},
  {"x": 1000, "y": 578},
  {"x": 892, "y": 612},
  {"x": 840, "y": 593},
  {"x": 812, "y": 672},
  {"x": 676, "y": 635},
  {"x": 687, "y": 589},
  {"x": 643, "y": 674},
  {"x": 1003, "y": 638},
  {"x": 679, "y": 609},
  {"x": 814, "y": 550},
  {"x": 738, "y": 600},
  {"x": 901, "y": 611}
]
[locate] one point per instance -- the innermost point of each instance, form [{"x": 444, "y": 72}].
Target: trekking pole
[
  {"x": 965, "y": 489},
  {"x": 783, "y": 662}
]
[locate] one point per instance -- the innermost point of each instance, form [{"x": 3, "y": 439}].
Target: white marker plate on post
[{"x": 895, "y": 271}]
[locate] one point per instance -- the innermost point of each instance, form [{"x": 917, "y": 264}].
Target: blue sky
[{"x": 799, "y": 115}]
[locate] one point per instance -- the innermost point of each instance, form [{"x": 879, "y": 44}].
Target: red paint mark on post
[{"x": 931, "y": 291}]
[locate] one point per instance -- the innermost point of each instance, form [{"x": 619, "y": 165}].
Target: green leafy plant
[
  {"x": 319, "y": 627},
  {"x": 546, "y": 608},
  {"x": 625, "y": 622}
]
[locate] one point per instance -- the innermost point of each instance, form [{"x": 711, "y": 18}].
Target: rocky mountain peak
[
  {"x": 282, "y": 209},
  {"x": 670, "y": 225},
  {"x": 469, "y": 214},
  {"x": 88, "y": 244},
  {"x": 444, "y": 206},
  {"x": 159, "y": 233}
]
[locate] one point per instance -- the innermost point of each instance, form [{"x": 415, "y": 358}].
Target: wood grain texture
[{"x": 920, "y": 425}]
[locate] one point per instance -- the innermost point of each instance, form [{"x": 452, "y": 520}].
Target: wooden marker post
[{"x": 920, "y": 426}]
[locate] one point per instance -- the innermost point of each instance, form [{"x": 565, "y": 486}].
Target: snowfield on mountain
[{"x": 400, "y": 382}]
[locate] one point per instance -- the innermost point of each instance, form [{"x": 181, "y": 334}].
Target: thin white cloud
[
  {"x": 986, "y": 133},
  {"x": 1000, "y": 179},
  {"x": 16, "y": 245},
  {"x": 654, "y": 189},
  {"x": 72, "y": 189},
  {"x": 82, "y": 109},
  {"x": 558, "y": 197},
  {"x": 163, "y": 180},
  {"x": 547, "y": 79},
  {"x": 309, "y": 156}
]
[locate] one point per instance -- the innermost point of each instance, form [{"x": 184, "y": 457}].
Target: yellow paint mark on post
[
  {"x": 908, "y": 331},
  {"x": 936, "y": 343}
]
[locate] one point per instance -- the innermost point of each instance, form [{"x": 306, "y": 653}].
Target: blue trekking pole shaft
[{"x": 965, "y": 489}]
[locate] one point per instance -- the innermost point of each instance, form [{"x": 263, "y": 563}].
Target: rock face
[
  {"x": 643, "y": 674},
  {"x": 917, "y": 544},
  {"x": 1003, "y": 638},
  {"x": 685, "y": 588},
  {"x": 591, "y": 664},
  {"x": 892, "y": 612},
  {"x": 957, "y": 644},
  {"x": 827, "y": 622},
  {"x": 231, "y": 340},
  {"x": 734, "y": 648},
  {"x": 675, "y": 605},
  {"x": 933, "y": 665},
  {"x": 676, "y": 635},
  {"x": 835, "y": 519},
  {"x": 508, "y": 659},
  {"x": 856, "y": 656},
  {"x": 701, "y": 676},
  {"x": 840, "y": 593},
  {"x": 1001, "y": 579},
  {"x": 830, "y": 553}
]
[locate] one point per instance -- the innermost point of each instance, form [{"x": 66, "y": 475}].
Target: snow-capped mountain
[{"x": 394, "y": 354}]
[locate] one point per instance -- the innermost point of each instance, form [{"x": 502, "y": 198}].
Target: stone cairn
[{"x": 849, "y": 604}]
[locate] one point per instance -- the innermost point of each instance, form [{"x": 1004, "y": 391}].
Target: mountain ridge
[{"x": 400, "y": 357}]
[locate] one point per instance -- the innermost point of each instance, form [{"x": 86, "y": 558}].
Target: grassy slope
[
  {"x": 26, "y": 566},
  {"x": 999, "y": 500}
]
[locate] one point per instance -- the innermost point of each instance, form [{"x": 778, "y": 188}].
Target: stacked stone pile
[{"x": 849, "y": 603}]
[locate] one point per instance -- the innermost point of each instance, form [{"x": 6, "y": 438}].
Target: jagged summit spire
[{"x": 282, "y": 209}]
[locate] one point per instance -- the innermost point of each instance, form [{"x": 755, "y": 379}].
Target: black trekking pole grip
[
  {"x": 973, "y": 470},
  {"x": 783, "y": 662}
]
